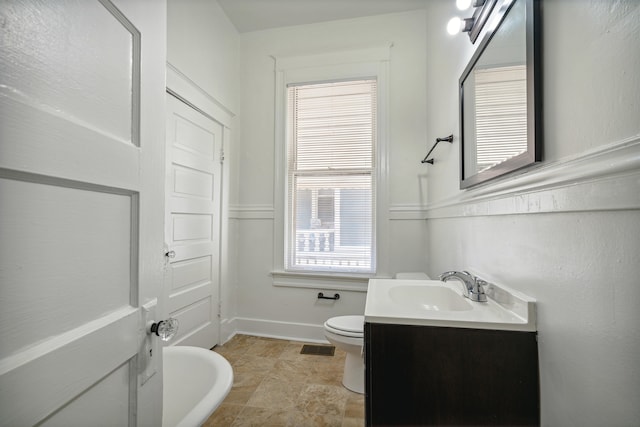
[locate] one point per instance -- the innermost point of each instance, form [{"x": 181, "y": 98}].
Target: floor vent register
[{"x": 318, "y": 350}]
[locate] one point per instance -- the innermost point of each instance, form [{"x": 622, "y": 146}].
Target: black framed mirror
[{"x": 500, "y": 97}]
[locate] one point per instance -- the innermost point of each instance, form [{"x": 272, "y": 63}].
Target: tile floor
[{"x": 275, "y": 385}]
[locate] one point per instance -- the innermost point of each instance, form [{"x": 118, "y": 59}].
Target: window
[
  {"x": 331, "y": 176},
  {"x": 501, "y": 114},
  {"x": 336, "y": 193}
]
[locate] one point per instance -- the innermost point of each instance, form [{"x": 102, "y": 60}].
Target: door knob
[
  {"x": 165, "y": 329},
  {"x": 170, "y": 254}
]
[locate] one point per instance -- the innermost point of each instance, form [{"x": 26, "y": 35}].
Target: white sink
[
  {"x": 428, "y": 297},
  {"x": 436, "y": 303}
]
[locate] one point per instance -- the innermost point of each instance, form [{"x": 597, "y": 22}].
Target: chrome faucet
[{"x": 472, "y": 284}]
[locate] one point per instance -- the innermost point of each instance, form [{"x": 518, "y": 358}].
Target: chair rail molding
[
  {"x": 407, "y": 212},
  {"x": 253, "y": 211},
  {"x": 603, "y": 179}
]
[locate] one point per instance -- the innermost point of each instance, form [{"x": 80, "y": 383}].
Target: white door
[
  {"x": 192, "y": 224},
  {"x": 81, "y": 202}
]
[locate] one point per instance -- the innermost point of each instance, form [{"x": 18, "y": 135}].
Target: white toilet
[{"x": 347, "y": 333}]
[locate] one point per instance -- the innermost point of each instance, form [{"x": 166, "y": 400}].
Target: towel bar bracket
[
  {"x": 334, "y": 297},
  {"x": 449, "y": 139}
]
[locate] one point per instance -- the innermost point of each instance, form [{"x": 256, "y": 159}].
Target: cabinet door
[{"x": 420, "y": 375}]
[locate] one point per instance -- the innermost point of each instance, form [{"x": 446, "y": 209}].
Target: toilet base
[{"x": 353, "y": 375}]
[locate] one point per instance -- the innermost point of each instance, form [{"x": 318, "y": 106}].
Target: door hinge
[{"x": 221, "y": 155}]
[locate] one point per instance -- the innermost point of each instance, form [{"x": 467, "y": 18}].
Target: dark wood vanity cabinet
[{"x": 440, "y": 376}]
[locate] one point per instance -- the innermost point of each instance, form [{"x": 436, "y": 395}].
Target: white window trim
[{"x": 367, "y": 62}]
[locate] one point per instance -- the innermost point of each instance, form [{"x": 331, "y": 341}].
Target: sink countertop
[{"x": 505, "y": 309}]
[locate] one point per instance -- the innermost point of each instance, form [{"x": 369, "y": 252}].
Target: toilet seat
[{"x": 347, "y": 326}]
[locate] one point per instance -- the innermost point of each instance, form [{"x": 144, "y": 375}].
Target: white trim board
[
  {"x": 604, "y": 179},
  {"x": 228, "y": 329},
  {"x": 407, "y": 212},
  {"x": 251, "y": 212},
  {"x": 395, "y": 212},
  {"x": 188, "y": 91},
  {"x": 372, "y": 61},
  {"x": 292, "y": 331},
  {"x": 319, "y": 281}
]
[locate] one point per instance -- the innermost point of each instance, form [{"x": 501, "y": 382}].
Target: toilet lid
[{"x": 354, "y": 324}]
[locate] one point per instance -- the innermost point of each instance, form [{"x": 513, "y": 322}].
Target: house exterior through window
[{"x": 331, "y": 176}]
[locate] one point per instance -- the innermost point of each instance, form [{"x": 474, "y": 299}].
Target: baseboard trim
[
  {"x": 304, "y": 332},
  {"x": 228, "y": 330}
]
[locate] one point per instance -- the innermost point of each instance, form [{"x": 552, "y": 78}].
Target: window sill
[{"x": 318, "y": 280}]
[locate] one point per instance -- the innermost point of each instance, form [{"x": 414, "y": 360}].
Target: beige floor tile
[
  {"x": 354, "y": 407},
  {"x": 239, "y": 343},
  {"x": 239, "y": 396},
  {"x": 267, "y": 348},
  {"x": 304, "y": 419},
  {"x": 262, "y": 417},
  {"x": 275, "y": 394},
  {"x": 244, "y": 385},
  {"x": 322, "y": 399},
  {"x": 253, "y": 364},
  {"x": 235, "y": 348},
  {"x": 292, "y": 351},
  {"x": 352, "y": 422},
  {"x": 295, "y": 371},
  {"x": 223, "y": 416},
  {"x": 326, "y": 373}
]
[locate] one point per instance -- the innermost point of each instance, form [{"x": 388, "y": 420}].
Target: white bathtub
[{"x": 196, "y": 381}]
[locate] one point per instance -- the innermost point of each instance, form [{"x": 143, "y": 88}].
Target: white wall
[
  {"x": 568, "y": 233},
  {"x": 295, "y": 312},
  {"x": 203, "y": 45}
]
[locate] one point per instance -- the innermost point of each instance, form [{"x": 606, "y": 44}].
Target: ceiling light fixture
[
  {"x": 466, "y": 4},
  {"x": 465, "y": 25},
  {"x": 456, "y": 25},
  {"x": 463, "y": 4}
]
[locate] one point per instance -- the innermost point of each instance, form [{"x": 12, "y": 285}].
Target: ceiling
[{"x": 254, "y": 15}]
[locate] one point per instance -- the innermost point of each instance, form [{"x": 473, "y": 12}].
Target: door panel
[
  {"x": 192, "y": 227},
  {"x": 191, "y": 272},
  {"x": 93, "y": 229},
  {"x": 188, "y": 182},
  {"x": 74, "y": 59},
  {"x": 193, "y": 222},
  {"x": 36, "y": 382},
  {"x": 78, "y": 168},
  {"x": 194, "y": 135},
  {"x": 106, "y": 403}
]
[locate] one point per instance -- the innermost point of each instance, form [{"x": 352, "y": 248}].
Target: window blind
[
  {"x": 331, "y": 139},
  {"x": 501, "y": 114}
]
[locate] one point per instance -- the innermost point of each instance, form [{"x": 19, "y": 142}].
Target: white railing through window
[
  {"x": 317, "y": 247},
  {"x": 316, "y": 240}
]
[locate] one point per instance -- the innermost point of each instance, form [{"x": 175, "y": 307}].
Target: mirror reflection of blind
[
  {"x": 331, "y": 176},
  {"x": 501, "y": 114}
]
